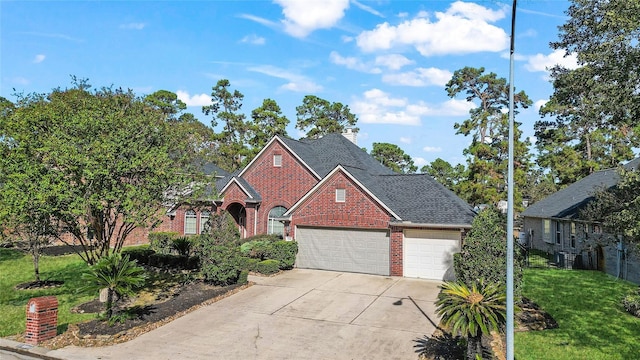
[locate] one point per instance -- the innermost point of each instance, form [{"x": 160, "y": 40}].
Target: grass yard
[
  {"x": 17, "y": 267},
  {"x": 587, "y": 306}
]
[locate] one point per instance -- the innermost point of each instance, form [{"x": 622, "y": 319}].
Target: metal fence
[{"x": 534, "y": 258}]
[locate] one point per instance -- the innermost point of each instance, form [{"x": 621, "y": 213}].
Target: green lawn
[
  {"x": 592, "y": 322},
  {"x": 17, "y": 268}
]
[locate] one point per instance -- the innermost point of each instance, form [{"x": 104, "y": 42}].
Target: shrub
[
  {"x": 248, "y": 263},
  {"x": 261, "y": 237},
  {"x": 162, "y": 242},
  {"x": 244, "y": 277},
  {"x": 283, "y": 251},
  {"x": 182, "y": 245},
  {"x": 268, "y": 267},
  {"x": 223, "y": 230},
  {"x": 140, "y": 254},
  {"x": 631, "y": 303},
  {"x": 256, "y": 249},
  {"x": 170, "y": 261},
  {"x": 484, "y": 253},
  {"x": 220, "y": 265}
]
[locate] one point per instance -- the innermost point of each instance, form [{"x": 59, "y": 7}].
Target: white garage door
[
  {"x": 428, "y": 254},
  {"x": 363, "y": 251}
]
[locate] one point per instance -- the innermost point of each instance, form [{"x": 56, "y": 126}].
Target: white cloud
[
  {"x": 419, "y": 162},
  {"x": 378, "y": 107},
  {"x": 431, "y": 149},
  {"x": 405, "y": 140},
  {"x": 259, "y": 20},
  {"x": 367, "y": 8},
  {"x": 353, "y": 63},
  {"x": 133, "y": 26},
  {"x": 297, "y": 82},
  {"x": 194, "y": 100},
  {"x": 541, "y": 62},
  {"x": 463, "y": 28},
  {"x": 254, "y": 39},
  {"x": 419, "y": 77},
  {"x": 393, "y": 61},
  {"x": 39, "y": 58},
  {"x": 540, "y": 103},
  {"x": 303, "y": 17}
]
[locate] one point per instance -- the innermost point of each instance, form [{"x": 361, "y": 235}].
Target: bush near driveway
[{"x": 268, "y": 267}]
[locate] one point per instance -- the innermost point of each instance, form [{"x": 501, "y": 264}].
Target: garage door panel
[
  {"x": 343, "y": 250},
  {"x": 429, "y": 253}
]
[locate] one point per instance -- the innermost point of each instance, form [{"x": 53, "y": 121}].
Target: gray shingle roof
[
  {"x": 568, "y": 202},
  {"x": 417, "y": 198},
  {"x": 324, "y": 154}
]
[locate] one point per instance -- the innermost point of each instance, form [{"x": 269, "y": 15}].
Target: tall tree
[
  {"x": 267, "y": 122},
  {"x": 105, "y": 162},
  {"x": 488, "y": 125},
  {"x": 166, "y": 102},
  {"x": 231, "y": 141},
  {"x": 319, "y": 117},
  {"x": 596, "y": 105},
  {"x": 446, "y": 174},
  {"x": 393, "y": 157}
]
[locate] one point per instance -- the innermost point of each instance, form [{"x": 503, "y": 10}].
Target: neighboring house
[
  {"x": 553, "y": 225},
  {"x": 346, "y": 211}
]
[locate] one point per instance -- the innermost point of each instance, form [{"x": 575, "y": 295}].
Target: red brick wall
[
  {"x": 278, "y": 186},
  {"x": 358, "y": 211},
  {"x": 396, "y": 255}
]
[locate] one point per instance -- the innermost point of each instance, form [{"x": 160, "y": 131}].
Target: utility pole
[{"x": 510, "y": 213}]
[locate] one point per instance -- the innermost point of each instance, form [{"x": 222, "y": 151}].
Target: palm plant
[
  {"x": 119, "y": 275},
  {"x": 472, "y": 312}
]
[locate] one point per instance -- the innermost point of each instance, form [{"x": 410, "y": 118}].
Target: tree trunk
[
  {"x": 474, "y": 347},
  {"x": 109, "y": 303}
]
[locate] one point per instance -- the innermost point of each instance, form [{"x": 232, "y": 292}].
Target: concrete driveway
[{"x": 300, "y": 314}]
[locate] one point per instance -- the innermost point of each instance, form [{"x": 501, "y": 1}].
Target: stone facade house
[{"x": 553, "y": 225}]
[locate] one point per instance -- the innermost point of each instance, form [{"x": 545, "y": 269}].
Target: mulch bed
[{"x": 186, "y": 299}]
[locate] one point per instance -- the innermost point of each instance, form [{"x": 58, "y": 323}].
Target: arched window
[
  {"x": 190, "y": 222},
  {"x": 274, "y": 226}
]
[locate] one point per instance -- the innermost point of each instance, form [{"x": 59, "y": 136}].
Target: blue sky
[{"x": 387, "y": 60}]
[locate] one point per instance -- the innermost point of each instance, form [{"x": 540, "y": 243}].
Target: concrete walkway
[{"x": 300, "y": 314}]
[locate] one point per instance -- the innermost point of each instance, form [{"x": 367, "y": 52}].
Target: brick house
[
  {"x": 553, "y": 225},
  {"x": 346, "y": 211}
]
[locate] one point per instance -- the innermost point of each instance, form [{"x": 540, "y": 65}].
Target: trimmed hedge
[
  {"x": 256, "y": 249},
  {"x": 284, "y": 252},
  {"x": 170, "y": 261},
  {"x": 220, "y": 265},
  {"x": 268, "y": 267},
  {"x": 140, "y": 254}
]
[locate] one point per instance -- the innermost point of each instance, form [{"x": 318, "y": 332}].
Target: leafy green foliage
[
  {"x": 103, "y": 162},
  {"x": 138, "y": 254},
  {"x": 618, "y": 208},
  {"x": 223, "y": 231},
  {"x": 393, "y": 157},
  {"x": 445, "y": 174},
  {"x": 268, "y": 267},
  {"x": 256, "y": 249},
  {"x": 320, "y": 117},
  {"x": 489, "y": 128},
  {"x": 220, "y": 265},
  {"x": 267, "y": 122},
  {"x": 473, "y": 311},
  {"x": 182, "y": 245},
  {"x": 284, "y": 252},
  {"x": 483, "y": 256},
  {"x": 161, "y": 242},
  {"x": 231, "y": 141},
  {"x": 631, "y": 303},
  {"x": 166, "y": 102},
  {"x": 119, "y": 275}
]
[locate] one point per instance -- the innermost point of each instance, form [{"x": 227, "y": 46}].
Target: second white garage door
[
  {"x": 428, "y": 254},
  {"x": 363, "y": 251}
]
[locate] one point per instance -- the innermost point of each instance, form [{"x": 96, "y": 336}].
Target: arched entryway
[{"x": 239, "y": 214}]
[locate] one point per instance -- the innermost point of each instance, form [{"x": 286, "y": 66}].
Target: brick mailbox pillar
[{"x": 42, "y": 319}]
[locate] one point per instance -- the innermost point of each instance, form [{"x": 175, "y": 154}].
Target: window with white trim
[
  {"x": 546, "y": 230},
  {"x": 204, "y": 219},
  {"x": 558, "y": 233},
  {"x": 277, "y": 160},
  {"x": 341, "y": 195},
  {"x": 274, "y": 226},
  {"x": 190, "y": 222}
]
